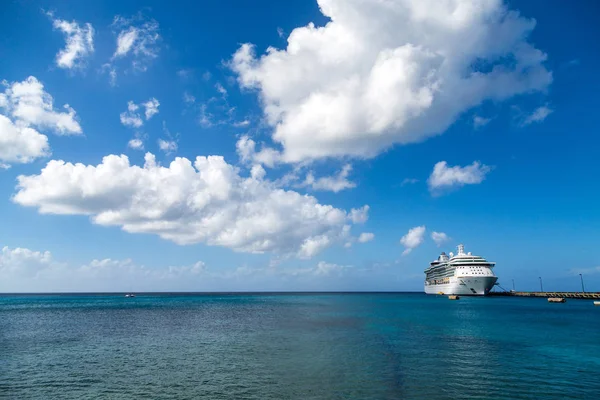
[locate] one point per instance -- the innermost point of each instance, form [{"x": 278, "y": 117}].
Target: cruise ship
[{"x": 463, "y": 274}]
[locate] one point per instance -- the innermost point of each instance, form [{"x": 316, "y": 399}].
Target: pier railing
[{"x": 567, "y": 295}]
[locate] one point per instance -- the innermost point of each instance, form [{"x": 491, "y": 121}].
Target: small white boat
[
  {"x": 130, "y": 295},
  {"x": 597, "y": 303}
]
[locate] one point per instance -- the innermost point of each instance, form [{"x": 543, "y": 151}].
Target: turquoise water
[{"x": 328, "y": 346}]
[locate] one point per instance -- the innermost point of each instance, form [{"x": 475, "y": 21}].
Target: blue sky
[{"x": 327, "y": 132}]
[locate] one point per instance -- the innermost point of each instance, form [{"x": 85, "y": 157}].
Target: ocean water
[{"x": 297, "y": 346}]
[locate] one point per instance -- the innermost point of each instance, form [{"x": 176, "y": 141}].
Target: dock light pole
[
  {"x": 541, "y": 286},
  {"x": 513, "y": 284},
  {"x": 582, "y": 287}
]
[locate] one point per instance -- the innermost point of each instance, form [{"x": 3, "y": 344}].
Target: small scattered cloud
[
  {"x": 167, "y": 146},
  {"x": 359, "y": 215},
  {"x": 412, "y": 239},
  {"x": 136, "y": 144},
  {"x": 444, "y": 177},
  {"x": 479, "y": 122},
  {"x": 585, "y": 271},
  {"x": 110, "y": 69},
  {"x": 366, "y": 237},
  {"x": 151, "y": 107},
  {"x": 206, "y": 76},
  {"x": 188, "y": 98},
  {"x": 246, "y": 150},
  {"x": 280, "y": 32},
  {"x": 439, "y": 238},
  {"x": 222, "y": 91},
  {"x": 242, "y": 124},
  {"x": 79, "y": 43},
  {"x": 137, "y": 40},
  {"x": 538, "y": 115},
  {"x": 185, "y": 74},
  {"x": 572, "y": 63},
  {"x": 409, "y": 181},
  {"x": 133, "y": 118},
  {"x": 335, "y": 183}
]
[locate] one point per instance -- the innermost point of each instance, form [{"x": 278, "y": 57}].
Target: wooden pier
[{"x": 564, "y": 295}]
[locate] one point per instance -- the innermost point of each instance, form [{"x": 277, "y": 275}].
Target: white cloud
[
  {"x": 137, "y": 36},
  {"x": 24, "y": 261},
  {"x": 409, "y": 181},
  {"x": 112, "y": 73},
  {"x": 30, "y": 105},
  {"x": 538, "y": 115},
  {"x": 136, "y": 144},
  {"x": 334, "y": 184},
  {"x": 20, "y": 144},
  {"x": 222, "y": 91},
  {"x": 137, "y": 39},
  {"x": 79, "y": 43},
  {"x": 389, "y": 72},
  {"x": 241, "y": 124},
  {"x": 23, "y": 106},
  {"x": 280, "y": 32},
  {"x": 133, "y": 118},
  {"x": 188, "y": 98},
  {"x": 151, "y": 107},
  {"x": 444, "y": 177},
  {"x": 324, "y": 268},
  {"x": 25, "y": 270},
  {"x": 479, "y": 122},
  {"x": 313, "y": 245},
  {"x": 412, "y": 239},
  {"x": 359, "y": 215},
  {"x": 439, "y": 238},
  {"x": 585, "y": 271},
  {"x": 204, "y": 202},
  {"x": 366, "y": 237},
  {"x": 246, "y": 149},
  {"x": 168, "y": 146}
]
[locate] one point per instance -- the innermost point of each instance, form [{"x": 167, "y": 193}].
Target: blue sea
[{"x": 297, "y": 346}]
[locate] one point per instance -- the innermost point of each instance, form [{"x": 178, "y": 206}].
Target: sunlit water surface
[{"x": 297, "y": 346}]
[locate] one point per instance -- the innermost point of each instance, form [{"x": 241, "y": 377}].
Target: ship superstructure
[{"x": 462, "y": 274}]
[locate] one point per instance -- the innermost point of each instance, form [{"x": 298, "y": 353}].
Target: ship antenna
[{"x": 461, "y": 249}]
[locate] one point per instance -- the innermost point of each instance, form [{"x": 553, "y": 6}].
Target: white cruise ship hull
[{"x": 465, "y": 286}]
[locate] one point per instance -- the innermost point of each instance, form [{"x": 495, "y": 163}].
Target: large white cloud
[
  {"x": 79, "y": 43},
  {"x": 30, "y": 105},
  {"x": 383, "y": 72},
  {"x": 204, "y": 202}
]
